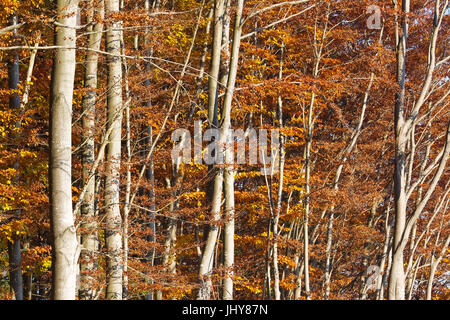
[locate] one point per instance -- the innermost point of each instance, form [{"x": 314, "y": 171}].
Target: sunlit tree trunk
[
  {"x": 65, "y": 246},
  {"x": 229, "y": 156},
  {"x": 405, "y": 119},
  {"x": 127, "y": 205},
  {"x": 207, "y": 260},
  {"x": 148, "y": 141},
  {"x": 169, "y": 255},
  {"x": 208, "y": 253},
  {"x": 224, "y": 68},
  {"x": 276, "y": 272},
  {"x": 219, "y": 9},
  {"x": 397, "y": 277},
  {"x": 307, "y": 196},
  {"x": 113, "y": 219},
  {"x": 89, "y": 236}
]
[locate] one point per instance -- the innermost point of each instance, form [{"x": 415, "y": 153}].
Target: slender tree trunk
[
  {"x": 169, "y": 256},
  {"x": 397, "y": 276},
  {"x": 409, "y": 267},
  {"x": 228, "y": 232},
  {"x": 14, "y": 253},
  {"x": 328, "y": 254},
  {"x": 113, "y": 218},
  {"x": 229, "y": 155},
  {"x": 219, "y": 9},
  {"x": 65, "y": 246},
  {"x": 208, "y": 253},
  {"x": 148, "y": 141},
  {"x": 385, "y": 254},
  {"x": 152, "y": 224},
  {"x": 89, "y": 236},
  {"x": 126, "y": 207},
  {"x": 307, "y": 197},
  {"x": 224, "y": 68},
  {"x": 276, "y": 273},
  {"x": 217, "y": 186}
]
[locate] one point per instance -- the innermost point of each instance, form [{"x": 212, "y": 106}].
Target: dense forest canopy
[{"x": 224, "y": 149}]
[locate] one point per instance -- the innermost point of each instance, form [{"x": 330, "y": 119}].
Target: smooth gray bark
[
  {"x": 14, "y": 253},
  {"x": 219, "y": 9},
  {"x": 113, "y": 219},
  {"x": 229, "y": 155},
  {"x": 404, "y": 123},
  {"x": 207, "y": 260},
  {"x": 88, "y": 255},
  {"x": 276, "y": 272},
  {"x": 65, "y": 246}
]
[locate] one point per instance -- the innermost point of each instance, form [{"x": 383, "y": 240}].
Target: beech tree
[
  {"x": 89, "y": 238},
  {"x": 113, "y": 222},
  {"x": 404, "y": 131},
  {"x": 65, "y": 246}
]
